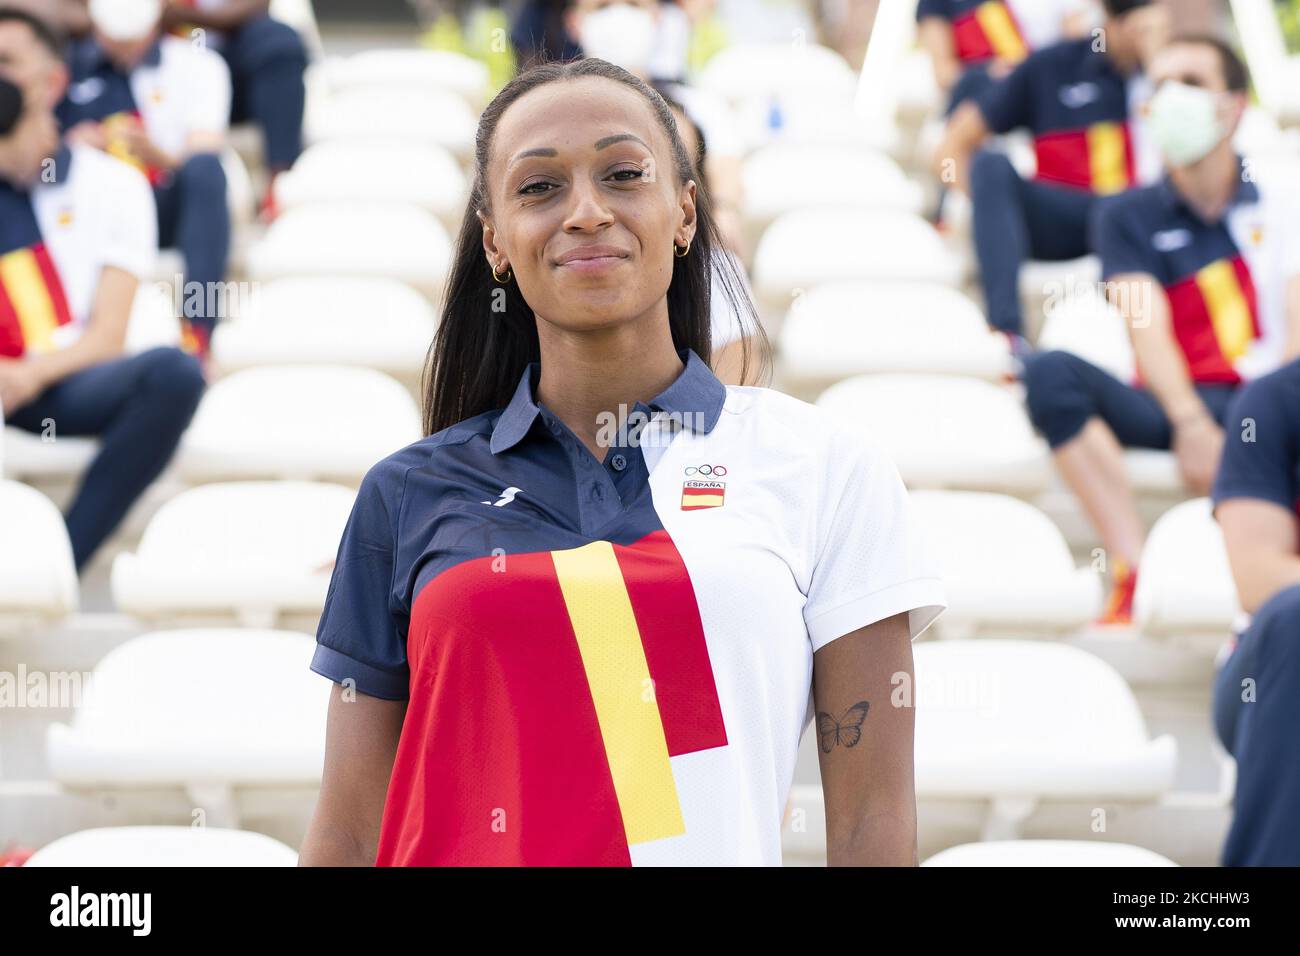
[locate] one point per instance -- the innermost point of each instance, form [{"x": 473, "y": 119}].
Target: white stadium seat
[
  {"x": 839, "y": 329},
  {"x": 944, "y": 431},
  {"x": 377, "y": 323},
  {"x": 805, "y": 119},
  {"x": 1031, "y": 719},
  {"x": 1043, "y": 283},
  {"x": 419, "y": 116},
  {"x": 807, "y": 247},
  {"x": 356, "y": 239},
  {"x": 1088, "y": 326},
  {"x": 422, "y": 175},
  {"x": 773, "y": 69},
  {"x": 163, "y": 846},
  {"x": 431, "y": 70},
  {"x": 307, "y": 422},
  {"x": 1036, "y": 853},
  {"x": 786, "y": 176},
  {"x": 37, "y": 574},
  {"x": 252, "y": 549},
  {"x": 207, "y": 710},
  {"x": 1005, "y": 565},
  {"x": 1185, "y": 582}
]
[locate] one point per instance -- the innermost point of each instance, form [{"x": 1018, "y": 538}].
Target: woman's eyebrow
[
  {"x": 538, "y": 151},
  {"x": 619, "y": 138}
]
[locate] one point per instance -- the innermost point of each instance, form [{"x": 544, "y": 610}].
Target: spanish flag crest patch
[{"x": 702, "y": 494}]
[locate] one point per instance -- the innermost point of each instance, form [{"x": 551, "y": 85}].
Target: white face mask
[
  {"x": 125, "y": 20},
  {"x": 1184, "y": 122},
  {"x": 620, "y": 33}
]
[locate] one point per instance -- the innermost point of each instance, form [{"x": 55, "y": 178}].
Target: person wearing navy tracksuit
[
  {"x": 1257, "y": 688},
  {"x": 267, "y": 60},
  {"x": 1078, "y": 102}
]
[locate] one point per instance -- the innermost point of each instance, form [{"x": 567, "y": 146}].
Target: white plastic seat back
[
  {"x": 439, "y": 118},
  {"x": 788, "y": 176},
  {"x": 346, "y": 171},
  {"x": 804, "y": 248},
  {"x": 356, "y": 239},
  {"x": 945, "y": 432},
  {"x": 849, "y": 327},
  {"x": 239, "y": 545},
  {"x": 37, "y": 574},
  {"x": 774, "y": 68},
  {"x": 1184, "y": 579},
  {"x": 1088, "y": 326},
  {"x": 433, "y": 70},
  {"x": 378, "y": 323},
  {"x": 1004, "y": 562},
  {"x": 223, "y": 707},
  {"x": 163, "y": 846},
  {"x": 279, "y": 421},
  {"x": 1032, "y": 719}
]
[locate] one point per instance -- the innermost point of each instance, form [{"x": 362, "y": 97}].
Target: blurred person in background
[
  {"x": 539, "y": 34},
  {"x": 972, "y": 43},
  {"x": 1204, "y": 267},
  {"x": 77, "y": 234},
  {"x": 1257, "y": 687},
  {"x": 267, "y": 60},
  {"x": 675, "y": 596},
  {"x": 162, "y": 104},
  {"x": 1080, "y": 104}
]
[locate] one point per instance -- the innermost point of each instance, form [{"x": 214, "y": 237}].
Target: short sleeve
[
  {"x": 1260, "y": 453},
  {"x": 362, "y": 634},
  {"x": 1118, "y": 240},
  {"x": 130, "y": 222},
  {"x": 870, "y": 557},
  {"x": 1006, "y": 104}
]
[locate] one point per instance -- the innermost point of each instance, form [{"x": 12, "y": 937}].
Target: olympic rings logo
[{"x": 708, "y": 471}]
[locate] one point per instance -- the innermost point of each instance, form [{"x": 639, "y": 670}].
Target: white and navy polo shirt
[
  {"x": 1226, "y": 281},
  {"x": 610, "y": 662},
  {"x": 177, "y": 90},
  {"x": 1000, "y": 29},
  {"x": 1083, "y": 115},
  {"x": 1267, "y": 468},
  {"x": 57, "y": 237}
]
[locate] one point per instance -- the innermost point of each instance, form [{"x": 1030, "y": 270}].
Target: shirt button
[{"x": 618, "y": 462}]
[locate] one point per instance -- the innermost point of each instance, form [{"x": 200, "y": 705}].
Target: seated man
[
  {"x": 971, "y": 43},
  {"x": 1200, "y": 266},
  {"x": 267, "y": 60},
  {"x": 76, "y": 235},
  {"x": 1077, "y": 99},
  {"x": 1257, "y": 689},
  {"x": 162, "y": 104}
]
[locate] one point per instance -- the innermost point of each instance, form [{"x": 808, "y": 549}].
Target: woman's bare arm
[
  {"x": 865, "y": 746},
  {"x": 360, "y": 744}
]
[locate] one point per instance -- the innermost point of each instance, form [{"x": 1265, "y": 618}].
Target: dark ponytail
[{"x": 488, "y": 333}]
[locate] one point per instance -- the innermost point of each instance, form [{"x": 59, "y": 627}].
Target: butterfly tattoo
[{"x": 847, "y": 730}]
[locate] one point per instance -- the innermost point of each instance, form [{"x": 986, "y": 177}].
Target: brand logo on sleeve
[{"x": 703, "y": 487}]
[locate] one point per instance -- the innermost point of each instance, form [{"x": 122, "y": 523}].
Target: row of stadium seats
[{"x": 256, "y": 550}]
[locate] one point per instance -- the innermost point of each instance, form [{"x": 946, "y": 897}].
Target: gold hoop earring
[
  {"x": 681, "y": 251},
  {"x": 501, "y": 279}
]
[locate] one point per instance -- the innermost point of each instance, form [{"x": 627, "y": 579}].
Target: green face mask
[{"x": 1184, "y": 122}]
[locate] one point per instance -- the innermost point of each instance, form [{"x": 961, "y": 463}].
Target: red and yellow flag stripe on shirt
[
  {"x": 32, "y": 301},
  {"x": 1215, "y": 318},
  {"x": 989, "y": 31},
  {"x": 1098, "y": 157}
]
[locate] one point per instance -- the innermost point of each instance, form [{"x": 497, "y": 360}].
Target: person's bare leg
[{"x": 1092, "y": 465}]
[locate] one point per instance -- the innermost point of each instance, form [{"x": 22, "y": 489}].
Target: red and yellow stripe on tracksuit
[
  {"x": 1215, "y": 318},
  {"x": 32, "y": 301},
  {"x": 115, "y": 127},
  {"x": 1099, "y": 157},
  {"x": 989, "y": 32}
]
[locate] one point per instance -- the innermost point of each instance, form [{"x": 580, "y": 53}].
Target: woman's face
[{"x": 585, "y": 204}]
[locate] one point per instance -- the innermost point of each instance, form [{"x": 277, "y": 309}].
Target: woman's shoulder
[{"x": 388, "y": 475}]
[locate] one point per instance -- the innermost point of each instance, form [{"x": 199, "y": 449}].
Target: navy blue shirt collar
[
  {"x": 1247, "y": 192},
  {"x": 696, "y": 395}
]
